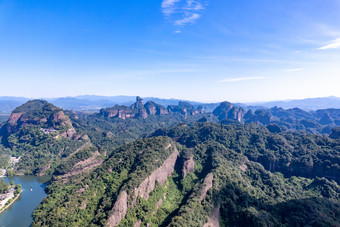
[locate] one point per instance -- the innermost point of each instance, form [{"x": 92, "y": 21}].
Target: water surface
[{"x": 20, "y": 213}]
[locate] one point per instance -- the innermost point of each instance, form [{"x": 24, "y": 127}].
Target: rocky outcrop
[
  {"x": 40, "y": 113},
  {"x": 186, "y": 109},
  {"x": 123, "y": 112},
  {"x": 139, "y": 106},
  {"x": 227, "y": 111},
  {"x": 84, "y": 166},
  {"x": 207, "y": 184},
  {"x": 119, "y": 209},
  {"x": 138, "y": 223},
  {"x": 155, "y": 109},
  {"x": 214, "y": 219},
  {"x": 159, "y": 175},
  {"x": 259, "y": 116},
  {"x": 188, "y": 166},
  {"x": 136, "y": 110},
  {"x": 141, "y": 110}
]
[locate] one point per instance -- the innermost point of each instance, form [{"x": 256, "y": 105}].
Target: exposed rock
[
  {"x": 155, "y": 109},
  {"x": 42, "y": 114},
  {"x": 243, "y": 167},
  {"x": 84, "y": 166},
  {"x": 188, "y": 166},
  {"x": 81, "y": 190},
  {"x": 160, "y": 175},
  {"x": 185, "y": 108},
  {"x": 227, "y": 111},
  {"x": 214, "y": 219},
  {"x": 14, "y": 118},
  {"x": 159, "y": 203},
  {"x": 263, "y": 117},
  {"x": 139, "y": 106},
  {"x": 207, "y": 184},
  {"x": 138, "y": 223},
  {"x": 119, "y": 209},
  {"x": 143, "y": 190}
]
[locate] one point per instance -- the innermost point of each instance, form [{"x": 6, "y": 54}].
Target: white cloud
[
  {"x": 335, "y": 44},
  {"x": 188, "y": 20},
  {"x": 294, "y": 70},
  {"x": 229, "y": 80},
  {"x": 169, "y": 6},
  {"x": 183, "y": 12}
]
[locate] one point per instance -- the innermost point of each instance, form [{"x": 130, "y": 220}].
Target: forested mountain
[
  {"x": 238, "y": 175},
  {"x": 41, "y": 134},
  {"x": 150, "y": 165},
  {"x": 279, "y": 119}
]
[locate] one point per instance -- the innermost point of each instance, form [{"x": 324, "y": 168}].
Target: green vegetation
[
  {"x": 246, "y": 174},
  {"x": 246, "y": 192},
  {"x": 4, "y": 187}
]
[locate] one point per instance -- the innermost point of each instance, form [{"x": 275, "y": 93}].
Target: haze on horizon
[{"x": 202, "y": 50}]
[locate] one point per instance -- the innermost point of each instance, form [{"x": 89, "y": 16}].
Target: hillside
[
  {"x": 237, "y": 175},
  {"x": 150, "y": 165},
  {"x": 40, "y": 134}
]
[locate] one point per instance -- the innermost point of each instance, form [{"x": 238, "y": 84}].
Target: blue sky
[{"x": 203, "y": 50}]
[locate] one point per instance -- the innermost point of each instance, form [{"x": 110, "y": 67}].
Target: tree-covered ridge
[
  {"x": 38, "y": 113},
  {"x": 291, "y": 153},
  {"x": 109, "y": 133},
  {"x": 90, "y": 198},
  {"x": 223, "y": 176},
  {"x": 243, "y": 192}
]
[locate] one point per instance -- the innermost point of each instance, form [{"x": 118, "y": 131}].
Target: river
[{"x": 20, "y": 213}]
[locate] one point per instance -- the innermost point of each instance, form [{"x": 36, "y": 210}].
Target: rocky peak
[
  {"x": 138, "y": 104},
  {"x": 39, "y": 113},
  {"x": 155, "y": 109},
  {"x": 227, "y": 111}
]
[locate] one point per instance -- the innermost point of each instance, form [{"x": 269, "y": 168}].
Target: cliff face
[
  {"x": 227, "y": 111},
  {"x": 136, "y": 110},
  {"x": 141, "y": 110},
  {"x": 186, "y": 109},
  {"x": 155, "y": 109},
  {"x": 120, "y": 209},
  {"x": 159, "y": 175},
  {"x": 188, "y": 166}
]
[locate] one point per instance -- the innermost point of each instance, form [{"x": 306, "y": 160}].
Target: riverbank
[
  {"x": 3, "y": 205},
  {"x": 20, "y": 212}
]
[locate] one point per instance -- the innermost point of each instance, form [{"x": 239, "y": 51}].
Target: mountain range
[{"x": 95, "y": 103}]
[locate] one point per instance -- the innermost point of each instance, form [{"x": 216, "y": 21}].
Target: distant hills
[
  {"x": 95, "y": 103},
  {"x": 306, "y": 104}
]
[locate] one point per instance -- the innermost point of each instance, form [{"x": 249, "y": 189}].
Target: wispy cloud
[
  {"x": 294, "y": 70},
  {"x": 188, "y": 20},
  {"x": 183, "y": 12},
  {"x": 237, "y": 79},
  {"x": 335, "y": 44}
]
